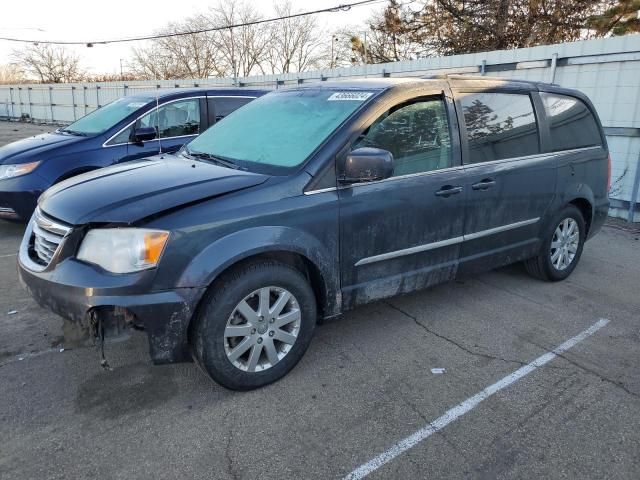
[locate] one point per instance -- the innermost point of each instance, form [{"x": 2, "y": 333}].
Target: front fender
[{"x": 205, "y": 267}]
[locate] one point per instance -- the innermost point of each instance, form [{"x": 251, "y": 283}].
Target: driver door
[{"x": 404, "y": 233}]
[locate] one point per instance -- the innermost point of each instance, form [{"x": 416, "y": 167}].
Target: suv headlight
[
  {"x": 17, "y": 170},
  {"x": 123, "y": 250}
]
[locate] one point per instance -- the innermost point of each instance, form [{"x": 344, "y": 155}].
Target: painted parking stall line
[{"x": 468, "y": 405}]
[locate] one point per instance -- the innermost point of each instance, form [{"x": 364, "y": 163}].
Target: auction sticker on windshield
[{"x": 354, "y": 96}]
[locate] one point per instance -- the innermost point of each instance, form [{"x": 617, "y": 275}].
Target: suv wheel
[
  {"x": 562, "y": 247},
  {"x": 254, "y": 325}
]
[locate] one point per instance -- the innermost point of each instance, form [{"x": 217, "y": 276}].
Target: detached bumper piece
[{"x": 110, "y": 322}]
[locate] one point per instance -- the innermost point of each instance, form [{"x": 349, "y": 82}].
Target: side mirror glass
[
  {"x": 367, "y": 165},
  {"x": 144, "y": 134}
]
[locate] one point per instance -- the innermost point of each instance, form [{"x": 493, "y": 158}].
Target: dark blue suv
[{"x": 130, "y": 128}]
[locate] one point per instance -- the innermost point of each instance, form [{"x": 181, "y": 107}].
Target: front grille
[{"x": 47, "y": 236}]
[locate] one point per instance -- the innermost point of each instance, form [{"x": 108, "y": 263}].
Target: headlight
[
  {"x": 123, "y": 250},
  {"x": 10, "y": 171}
]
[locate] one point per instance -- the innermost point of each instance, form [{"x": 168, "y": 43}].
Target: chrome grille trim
[{"x": 47, "y": 237}]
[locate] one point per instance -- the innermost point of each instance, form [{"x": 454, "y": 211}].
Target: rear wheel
[
  {"x": 255, "y": 325},
  {"x": 562, "y": 247}
]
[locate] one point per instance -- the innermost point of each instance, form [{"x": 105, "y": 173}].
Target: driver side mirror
[
  {"x": 144, "y": 134},
  {"x": 367, "y": 165}
]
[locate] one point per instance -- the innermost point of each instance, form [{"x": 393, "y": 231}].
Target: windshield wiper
[
  {"x": 223, "y": 161},
  {"x": 72, "y": 132}
]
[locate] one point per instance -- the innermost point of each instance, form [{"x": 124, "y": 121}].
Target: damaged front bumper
[{"x": 118, "y": 301}]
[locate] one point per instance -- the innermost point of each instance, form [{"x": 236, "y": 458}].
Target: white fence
[{"x": 607, "y": 70}]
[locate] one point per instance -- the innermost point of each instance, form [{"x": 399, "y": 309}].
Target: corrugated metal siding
[{"x": 607, "y": 70}]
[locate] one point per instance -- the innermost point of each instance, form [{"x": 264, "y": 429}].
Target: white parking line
[
  {"x": 8, "y": 255},
  {"x": 467, "y": 405}
]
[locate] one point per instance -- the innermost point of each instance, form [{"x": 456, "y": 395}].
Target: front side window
[
  {"x": 174, "y": 119},
  {"x": 499, "y": 126},
  {"x": 102, "y": 119},
  {"x": 416, "y": 133},
  {"x": 280, "y": 130},
  {"x": 571, "y": 123}
]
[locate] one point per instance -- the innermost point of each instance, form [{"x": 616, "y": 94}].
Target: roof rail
[{"x": 477, "y": 76}]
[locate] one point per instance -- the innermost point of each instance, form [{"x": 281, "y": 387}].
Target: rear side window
[
  {"x": 499, "y": 126},
  {"x": 571, "y": 122}
]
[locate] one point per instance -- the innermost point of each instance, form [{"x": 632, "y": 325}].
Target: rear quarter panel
[{"x": 583, "y": 172}]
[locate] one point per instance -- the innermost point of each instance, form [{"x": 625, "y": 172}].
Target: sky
[{"x": 84, "y": 20}]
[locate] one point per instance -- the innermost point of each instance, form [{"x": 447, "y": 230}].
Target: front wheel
[
  {"x": 562, "y": 247},
  {"x": 255, "y": 325}
]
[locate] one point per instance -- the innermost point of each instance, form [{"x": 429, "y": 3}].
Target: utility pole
[
  {"x": 334, "y": 39},
  {"x": 121, "y": 74},
  {"x": 364, "y": 46}
]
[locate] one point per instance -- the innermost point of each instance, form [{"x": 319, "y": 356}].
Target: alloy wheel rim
[
  {"x": 564, "y": 244},
  {"x": 262, "y": 329}
]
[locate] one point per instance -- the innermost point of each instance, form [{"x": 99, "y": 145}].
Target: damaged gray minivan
[{"x": 312, "y": 200}]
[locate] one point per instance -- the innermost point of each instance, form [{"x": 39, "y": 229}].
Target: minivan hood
[
  {"x": 28, "y": 149},
  {"x": 135, "y": 190}
]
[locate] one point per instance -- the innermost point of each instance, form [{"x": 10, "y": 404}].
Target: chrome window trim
[
  {"x": 445, "y": 243},
  {"x": 408, "y": 175},
  {"x": 150, "y": 141},
  {"x": 321, "y": 190},
  {"x": 104, "y": 145},
  {"x": 463, "y": 167},
  {"x": 529, "y": 157},
  {"x": 400, "y": 177}
]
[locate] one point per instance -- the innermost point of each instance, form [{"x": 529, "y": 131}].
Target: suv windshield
[
  {"x": 102, "y": 119},
  {"x": 280, "y": 130}
]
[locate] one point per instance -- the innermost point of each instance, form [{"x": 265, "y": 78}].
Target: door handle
[
  {"x": 484, "y": 184},
  {"x": 448, "y": 190}
]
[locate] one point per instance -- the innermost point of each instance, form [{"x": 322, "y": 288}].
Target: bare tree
[
  {"x": 154, "y": 62},
  {"x": 296, "y": 44},
  {"x": 182, "y": 56},
  {"x": 11, "y": 73},
  {"x": 49, "y": 64},
  {"x": 242, "y": 49},
  {"x": 236, "y": 46}
]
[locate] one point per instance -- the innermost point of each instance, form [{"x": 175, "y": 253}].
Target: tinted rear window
[
  {"x": 571, "y": 122},
  {"x": 499, "y": 125}
]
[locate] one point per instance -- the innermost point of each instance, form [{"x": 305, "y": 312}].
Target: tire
[
  {"x": 542, "y": 267},
  {"x": 224, "y": 313}
]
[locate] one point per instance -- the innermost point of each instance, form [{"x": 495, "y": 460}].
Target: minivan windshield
[
  {"x": 102, "y": 119},
  {"x": 280, "y": 130}
]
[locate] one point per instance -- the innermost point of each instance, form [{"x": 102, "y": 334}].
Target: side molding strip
[
  {"x": 409, "y": 251},
  {"x": 503, "y": 228},
  {"x": 445, "y": 243}
]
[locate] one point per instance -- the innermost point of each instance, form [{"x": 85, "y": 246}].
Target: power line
[{"x": 337, "y": 8}]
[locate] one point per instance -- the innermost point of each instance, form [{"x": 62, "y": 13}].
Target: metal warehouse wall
[{"x": 607, "y": 70}]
